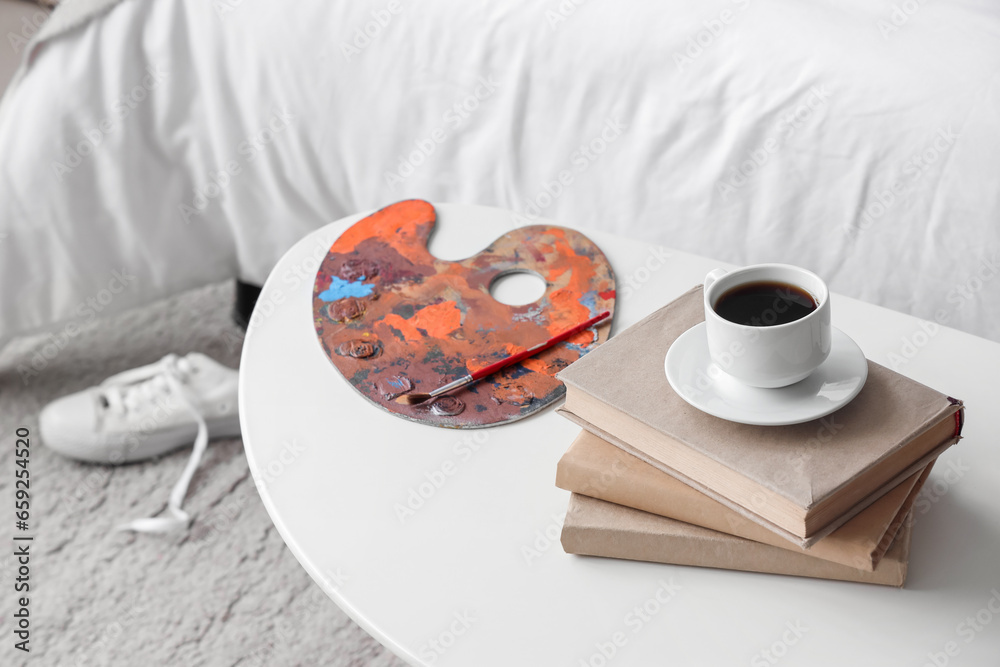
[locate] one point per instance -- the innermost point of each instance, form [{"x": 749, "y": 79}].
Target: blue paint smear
[
  {"x": 514, "y": 372},
  {"x": 589, "y": 299},
  {"x": 396, "y": 383},
  {"x": 340, "y": 289}
]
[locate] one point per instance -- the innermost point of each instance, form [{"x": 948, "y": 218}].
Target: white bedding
[{"x": 855, "y": 139}]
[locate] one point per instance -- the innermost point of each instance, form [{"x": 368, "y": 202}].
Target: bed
[{"x": 152, "y": 146}]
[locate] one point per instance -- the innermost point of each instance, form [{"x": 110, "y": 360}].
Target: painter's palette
[{"x": 393, "y": 318}]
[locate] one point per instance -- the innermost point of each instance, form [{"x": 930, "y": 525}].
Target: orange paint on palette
[
  {"x": 536, "y": 364},
  {"x": 556, "y": 275},
  {"x": 405, "y": 226},
  {"x": 579, "y": 270},
  {"x": 567, "y": 310},
  {"x": 438, "y": 320},
  {"x": 583, "y": 338},
  {"x": 510, "y": 349},
  {"x": 405, "y": 327}
]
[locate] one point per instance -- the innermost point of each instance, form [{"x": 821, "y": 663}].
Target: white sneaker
[{"x": 146, "y": 412}]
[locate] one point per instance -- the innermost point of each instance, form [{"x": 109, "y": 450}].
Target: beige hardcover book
[
  {"x": 802, "y": 480},
  {"x": 598, "y": 528},
  {"x": 596, "y": 468}
]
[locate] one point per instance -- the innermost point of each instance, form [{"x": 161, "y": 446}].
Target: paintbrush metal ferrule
[{"x": 451, "y": 386}]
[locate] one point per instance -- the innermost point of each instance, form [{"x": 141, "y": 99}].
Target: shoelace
[{"x": 126, "y": 391}]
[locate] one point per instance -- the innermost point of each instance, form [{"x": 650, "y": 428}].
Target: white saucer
[{"x": 707, "y": 387}]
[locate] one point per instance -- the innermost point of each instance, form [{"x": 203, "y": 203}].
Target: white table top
[{"x": 476, "y": 575}]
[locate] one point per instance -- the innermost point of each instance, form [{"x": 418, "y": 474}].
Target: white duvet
[{"x": 169, "y": 143}]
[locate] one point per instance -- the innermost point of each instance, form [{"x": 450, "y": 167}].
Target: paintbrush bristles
[{"x": 413, "y": 399}]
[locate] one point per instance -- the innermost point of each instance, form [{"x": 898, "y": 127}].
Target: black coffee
[{"x": 765, "y": 304}]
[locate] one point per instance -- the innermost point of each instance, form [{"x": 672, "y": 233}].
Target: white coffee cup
[{"x": 768, "y": 355}]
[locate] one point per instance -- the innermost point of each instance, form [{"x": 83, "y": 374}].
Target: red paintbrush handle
[{"x": 532, "y": 351}]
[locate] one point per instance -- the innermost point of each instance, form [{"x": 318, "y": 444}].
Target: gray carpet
[{"x": 226, "y": 593}]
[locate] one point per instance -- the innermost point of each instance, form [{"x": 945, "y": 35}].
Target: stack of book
[{"x": 654, "y": 479}]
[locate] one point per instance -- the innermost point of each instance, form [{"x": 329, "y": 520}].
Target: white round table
[{"x": 444, "y": 544}]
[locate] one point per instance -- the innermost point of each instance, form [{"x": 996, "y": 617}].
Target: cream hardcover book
[
  {"x": 598, "y": 528},
  {"x": 801, "y": 481},
  {"x": 595, "y": 468}
]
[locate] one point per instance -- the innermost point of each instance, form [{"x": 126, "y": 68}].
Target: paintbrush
[{"x": 414, "y": 399}]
